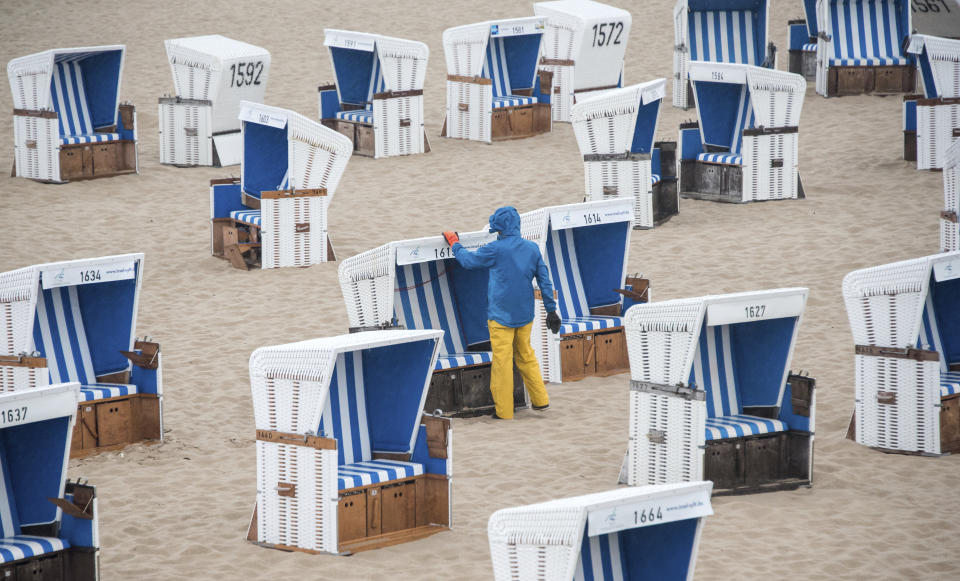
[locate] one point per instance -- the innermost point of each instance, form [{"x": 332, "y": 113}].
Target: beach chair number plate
[
  {"x": 67, "y": 276},
  {"x": 13, "y": 415},
  {"x": 768, "y": 307},
  {"x": 946, "y": 270},
  {"x": 606, "y": 37},
  {"x": 651, "y": 512},
  {"x": 245, "y": 74},
  {"x": 568, "y": 219}
]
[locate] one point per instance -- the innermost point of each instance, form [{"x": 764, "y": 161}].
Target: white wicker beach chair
[
  {"x": 75, "y": 321},
  {"x": 628, "y": 534},
  {"x": 745, "y": 146},
  {"x": 377, "y": 100},
  {"x": 68, "y": 122},
  {"x": 49, "y": 527},
  {"x": 860, "y": 47},
  {"x": 711, "y": 394},
  {"x": 585, "y": 247},
  {"x": 949, "y": 227},
  {"x": 212, "y": 74},
  {"x": 615, "y": 131},
  {"x": 418, "y": 284},
  {"x": 931, "y": 121},
  {"x": 718, "y": 31},
  {"x": 276, "y": 214},
  {"x": 493, "y": 89},
  {"x": 584, "y": 43},
  {"x": 905, "y": 319},
  {"x": 345, "y": 459},
  {"x": 802, "y": 36}
]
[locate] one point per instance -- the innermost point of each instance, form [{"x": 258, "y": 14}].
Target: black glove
[{"x": 553, "y": 322}]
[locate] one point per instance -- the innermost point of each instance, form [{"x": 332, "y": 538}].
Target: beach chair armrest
[
  {"x": 690, "y": 144},
  {"x": 329, "y": 101},
  {"x": 798, "y": 402},
  {"x": 225, "y": 197},
  {"x": 79, "y": 524},
  {"x": 797, "y": 34},
  {"x": 127, "y": 121}
]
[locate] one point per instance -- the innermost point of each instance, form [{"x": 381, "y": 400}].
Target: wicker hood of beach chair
[
  {"x": 75, "y": 321},
  {"x": 584, "y": 43},
  {"x": 905, "y": 320},
  {"x": 346, "y": 459},
  {"x": 649, "y": 532},
  {"x": 68, "y": 122},
  {"x": 931, "y": 120},
  {"x": 615, "y": 132},
  {"x": 712, "y": 396},
  {"x": 199, "y": 124}
]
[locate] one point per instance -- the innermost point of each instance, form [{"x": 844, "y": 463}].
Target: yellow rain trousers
[{"x": 512, "y": 345}]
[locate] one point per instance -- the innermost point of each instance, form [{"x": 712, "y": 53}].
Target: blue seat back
[
  {"x": 714, "y": 371},
  {"x": 345, "y": 413},
  {"x": 725, "y": 112},
  {"x": 70, "y": 99},
  {"x": 359, "y": 76},
  {"x": 424, "y": 299},
  {"x": 868, "y": 29},
  {"x": 940, "y": 322},
  {"x": 9, "y": 515},
  {"x": 565, "y": 273},
  {"x": 60, "y": 336},
  {"x": 495, "y": 67},
  {"x": 511, "y": 63},
  {"x": 601, "y": 558},
  {"x": 727, "y": 36},
  {"x": 266, "y": 163}
]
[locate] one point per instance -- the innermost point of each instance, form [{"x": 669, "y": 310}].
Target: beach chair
[
  {"x": 50, "y": 526},
  {"x": 68, "y": 122},
  {"x": 745, "y": 146},
  {"x": 346, "y": 460},
  {"x": 212, "y": 74},
  {"x": 860, "y": 47},
  {"x": 802, "y": 35},
  {"x": 905, "y": 319},
  {"x": 628, "y": 534},
  {"x": 75, "y": 321},
  {"x": 585, "y": 247},
  {"x": 615, "y": 131},
  {"x": 718, "y": 31},
  {"x": 377, "y": 100},
  {"x": 584, "y": 43},
  {"x": 931, "y": 121},
  {"x": 275, "y": 214},
  {"x": 711, "y": 394},
  {"x": 418, "y": 284},
  {"x": 494, "y": 91},
  {"x": 949, "y": 227}
]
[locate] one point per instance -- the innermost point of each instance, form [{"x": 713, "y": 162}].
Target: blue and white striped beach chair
[
  {"x": 712, "y": 396},
  {"x": 68, "y": 121},
  {"x": 949, "y": 224},
  {"x": 48, "y": 525},
  {"x": 718, "y": 31},
  {"x": 628, "y": 534},
  {"x": 493, "y": 90},
  {"x": 905, "y": 319},
  {"x": 377, "y": 99},
  {"x": 802, "y": 38},
  {"x": 78, "y": 320},
  {"x": 931, "y": 121},
  {"x": 860, "y": 48},
  {"x": 275, "y": 215},
  {"x": 343, "y": 450}
]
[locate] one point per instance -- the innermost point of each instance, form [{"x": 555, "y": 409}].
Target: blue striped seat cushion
[
  {"x": 719, "y": 428},
  {"x": 654, "y": 179},
  {"x": 375, "y": 472},
  {"x": 453, "y": 360},
  {"x": 246, "y": 216},
  {"x": 357, "y": 115},
  {"x": 91, "y": 138},
  {"x": 949, "y": 383},
  {"x": 24, "y": 546},
  {"x": 105, "y": 390},
  {"x": 865, "y": 33},
  {"x": 581, "y": 324},
  {"x": 601, "y": 559},
  {"x": 512, "y": 101},
  {"x": 721, "y": 158},
  {"x": 809, "y": 47}
]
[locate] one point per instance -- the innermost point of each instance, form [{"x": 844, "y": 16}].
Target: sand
[{"x": 180, "y": 509}]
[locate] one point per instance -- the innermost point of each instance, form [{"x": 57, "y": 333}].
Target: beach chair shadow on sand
[{"x": 346, "y": 459}]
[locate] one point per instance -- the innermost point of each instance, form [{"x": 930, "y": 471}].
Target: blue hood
[{"x": 506, "y": 221}]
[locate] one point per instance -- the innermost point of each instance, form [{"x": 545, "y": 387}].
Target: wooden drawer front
[
  {"x": 500, "y": 124},
  {"x": 113, "y": 422},
  {"x": 950, "y": 424},
  {"x": 475, "y": 387},
  {"x": 612, "y": 353},
  {"x": 571, "y": 358},
  {"x": 76, "y": 162},
  {"x": 589, "y": 355},
  {"x": 373, "y": 511},
  {"x": 107, "y": 157},
  {"x": 444, "y": 392},
  {"x": 723, "y": 463},
  {"x": 45, "y": 568},
  {"x": 399, "y": 506},
  {"x": 352, "y": 516},
  {"x": 366, "y": 142},
  {"x": 521, "y": 122},
  {"x": 87, "y": 421},
  {"x": 762, "y": 460}
]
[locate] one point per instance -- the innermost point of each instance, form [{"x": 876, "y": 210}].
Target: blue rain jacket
[{"x": 513, "y": 263}]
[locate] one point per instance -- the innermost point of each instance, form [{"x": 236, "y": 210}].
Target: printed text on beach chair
[
  {"x": 585, "y": 247},
  {"x": 493, "y": 89},
  {"x": 584, "y": 43},
  {"x": 629, "y": 534},
  {"x": 344, "y": 454},
  {"x": 745, "y": 146},
  {"x": 48, "y": 526},
  {"x": 717, "y": 31},
  {"x": 211, "y": 75},
  {"x": 860, "y": 47},
  {"x": 615, "y": 131},
  {"x": 802, "y": 36},
  {"x": 68, "y": 123},
  {"x": 78, "y": 318},
  {"x": 931, "y": 121},
  {"x": 712, "y": 396},
  {"x": 377, "y": 100},
  {"x": 276, "y": 213},
  {"x": 906, "y": 324}
]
